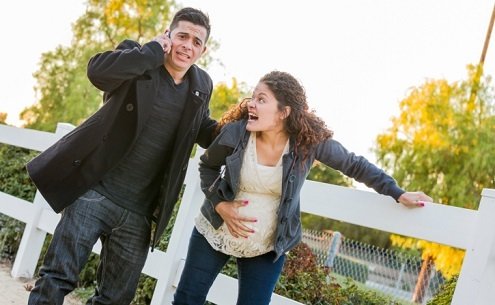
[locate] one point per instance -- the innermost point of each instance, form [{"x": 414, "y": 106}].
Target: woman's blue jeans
[
  {"x": 125, "y": 240},
  {"x": 257, "y": 276}
]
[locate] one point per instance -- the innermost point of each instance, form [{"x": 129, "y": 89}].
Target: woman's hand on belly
[{"x": 238, "y": 225}]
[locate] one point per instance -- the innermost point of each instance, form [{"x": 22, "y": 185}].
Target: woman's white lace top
[{"x": 261, "y": 186}]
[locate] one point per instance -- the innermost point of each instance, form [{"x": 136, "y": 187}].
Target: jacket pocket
[{"x": 225, "y": 191}]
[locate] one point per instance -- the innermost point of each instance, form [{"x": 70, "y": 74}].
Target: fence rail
[{"x": 472, "y": 230}]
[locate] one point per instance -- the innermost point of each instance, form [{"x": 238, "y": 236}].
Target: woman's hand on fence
[
  {"x": 237, "y": 224},
  {"x": 414, "y": 199}
]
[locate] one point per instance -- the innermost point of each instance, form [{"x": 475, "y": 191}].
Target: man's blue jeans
[
  {"x": 257, "y": 276},
  {"x": 125, "y": 240}
]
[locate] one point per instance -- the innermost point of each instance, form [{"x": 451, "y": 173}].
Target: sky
[{"x": 356, "y": 58}]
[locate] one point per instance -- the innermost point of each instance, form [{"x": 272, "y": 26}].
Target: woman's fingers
[
  {"x": 414, "y": 199},
  {"x": 239, "y": 225}
]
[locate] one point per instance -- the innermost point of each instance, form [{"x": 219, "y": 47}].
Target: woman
[{"x": 252, "y": 176}]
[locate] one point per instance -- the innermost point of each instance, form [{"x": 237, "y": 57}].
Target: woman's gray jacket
[{"x": 226, "y": 152}]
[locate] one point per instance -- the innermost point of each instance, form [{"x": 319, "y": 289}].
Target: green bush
[
  {"x": 444, "y": 296},
  {"x": 15, "y": 181},
  {"x": 307, "y": 282},
  {"x": 10, "y": 237}
]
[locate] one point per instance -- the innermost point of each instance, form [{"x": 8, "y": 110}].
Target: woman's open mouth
[{"x": 252, "y": 117}]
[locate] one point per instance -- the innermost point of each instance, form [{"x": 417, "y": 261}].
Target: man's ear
[{"x": 204, "y": 50}]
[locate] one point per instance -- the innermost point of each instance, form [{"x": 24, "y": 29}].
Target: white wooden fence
[{"x": 473, "y": 230}]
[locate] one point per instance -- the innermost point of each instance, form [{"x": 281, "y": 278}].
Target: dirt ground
[{"x": 16, "y": 291}]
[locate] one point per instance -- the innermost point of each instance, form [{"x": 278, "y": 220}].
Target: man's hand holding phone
[{"x": 165, "y": 41}]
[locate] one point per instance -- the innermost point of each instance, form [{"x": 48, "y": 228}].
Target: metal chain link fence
[{"x": 391, "y": 272}]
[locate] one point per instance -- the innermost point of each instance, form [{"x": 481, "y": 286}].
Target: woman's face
[{"x": 264, "y": 114}]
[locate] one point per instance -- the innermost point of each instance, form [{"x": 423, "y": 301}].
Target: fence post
[
  {"x": 476, "y": 282},
  {"x": 33, "y": 238},
  {"x": 31, "y": 244},
  {"x": 179, "y": 239},
  {"x": 333, "y": 249},
  {"x": 422, "y": 281}
]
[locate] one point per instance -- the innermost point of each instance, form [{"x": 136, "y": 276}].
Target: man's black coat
[{"x": 129, "y": 78}]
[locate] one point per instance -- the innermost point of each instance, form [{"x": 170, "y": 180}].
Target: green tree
[
  {"x": 14, "y": 180},
  {"x": 322, "y": 173},
  {"x": 442, "y": 143},
  {"x": 443, "y": 140},
  {"x": 65, "y": 94},
  {"x": 224, "y": 97}
]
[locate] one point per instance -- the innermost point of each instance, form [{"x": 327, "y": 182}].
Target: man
[{"x": 125, "y": 165}]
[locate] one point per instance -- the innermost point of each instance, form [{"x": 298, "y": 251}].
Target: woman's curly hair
[{"x": 302, "y": 124}]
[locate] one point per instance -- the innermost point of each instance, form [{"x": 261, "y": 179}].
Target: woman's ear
[{"x": 286, "y": 112}]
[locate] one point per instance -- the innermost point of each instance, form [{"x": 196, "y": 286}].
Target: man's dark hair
[{"x": 194, "y": 16}]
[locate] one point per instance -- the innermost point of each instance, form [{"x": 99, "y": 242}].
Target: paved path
[{"x": 14, "y": 292}]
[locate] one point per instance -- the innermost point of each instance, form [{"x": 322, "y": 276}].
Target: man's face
[{"x": 188, "y": 44}]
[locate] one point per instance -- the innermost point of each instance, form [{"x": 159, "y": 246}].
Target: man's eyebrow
[
  {"x": 199, "y": 39},
  {"x": 189, "y": 34}
]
